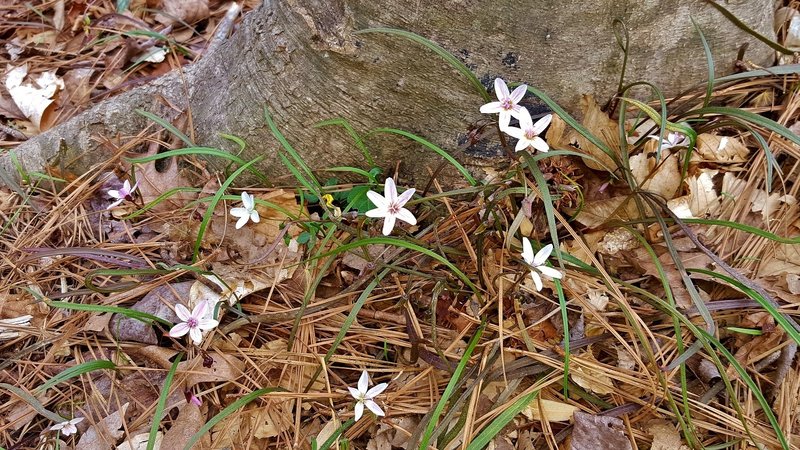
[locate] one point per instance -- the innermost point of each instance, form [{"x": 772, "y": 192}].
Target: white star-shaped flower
[
  {"x": 537, "y": 262},
  {"x": 507, "y": 104},
  {"x": 193, "y": 323},
  {"x": 390, "y": 206},
  {"x": 673, "y": 139},
  {"x": 364, "y": 397},
  {"x": 247, "y": 211},
  {"x": 528, "y": 132},
  {"x": 125, "y": 193},
  {"x": 67, "y": 427}
]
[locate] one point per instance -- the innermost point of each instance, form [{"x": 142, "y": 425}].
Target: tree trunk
[{"x": 301, "y": 60}]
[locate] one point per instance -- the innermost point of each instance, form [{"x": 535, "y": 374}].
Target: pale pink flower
[
  {"x": 125, "y": 193},
  {"x": 247, "y": 211},
  {"x": 67, "y": 427},
  {"x": 390, "y": 206},
  {"x": 365, "y": 397},
  {"x": 537, "y": 262},
  {"x": 507, "y": 104},
  {"x": 193, "y": 323},
  {"x": 528, "y": 132},
  {"x": 673, "y": 139}
]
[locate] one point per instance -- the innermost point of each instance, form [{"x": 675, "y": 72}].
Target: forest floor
[{"x": 673, "y": 323}]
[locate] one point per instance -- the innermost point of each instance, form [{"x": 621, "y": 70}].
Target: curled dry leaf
[
  {"x": 665, "y": 436},
  {"x": 224, "y": 368},
  {"x": 549, "y": 410},
  {"x": 139, "y": 442},
  {"x": 719, "y": 149},
  {"x": 600, "y": 125},
  {"x": 592, "y": 379},
  {"x": 34, "y": 98},
  {"x": 105, "y": 433},
  {"x": 662, "y": 178},
  {"x": 190, "y": 420},
  {"x": 702, "y": 199},
  {"x": 593, "y": 432},
  {"x": 176, "y": 11}
]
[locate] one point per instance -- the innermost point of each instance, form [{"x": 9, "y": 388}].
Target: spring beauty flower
[
  {"x": 507, "y": 104},
  {"x": 67, "y": 427},
  {"x": 247, "y": 211},
  {"x": 390, "y": 206},
  {"x": 673, "y": 139},
  {"x": 126, "y": 193},
  {"x": 537, "y": 262},
  {"x": 364, "y": 397},
  {"x": 528, "y": 132},
  {"x": 193, "y": 323}
]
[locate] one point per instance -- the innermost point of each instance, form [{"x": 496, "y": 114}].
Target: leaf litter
[{"x": 413, "y": 327}]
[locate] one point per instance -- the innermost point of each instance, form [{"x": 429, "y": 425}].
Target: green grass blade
[
  {"x": 162, "y": 402},
  {"x": 328, "y": 442},
  {"x": 396, "y": 242},
  {"x": 75, "y": 371},
  {"x": 444, "y": 54},
  {"x": 747, "y": 116},
  {"x": 743, "y": 26},
  {"x": 33, "y": 402},
  {"x": 777, "y": 315},
  {"x": 450, "y": 389},
  {"x": 430, "y": 146},
  {"x": 131, "y": 313},
  {"x": 354, "y": 170},
  {"x": 499, "y": 422},
  {"x": 709, "y": 62},
  {"x": 207, "y": 151},
  {"x": 161, "y": 198},
  {"x": 166, "y": 125},
  {"x": 290, "y": 150},
  {"x": 226, "y": 412}
]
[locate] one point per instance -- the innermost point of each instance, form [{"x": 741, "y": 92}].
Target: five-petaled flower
[
  {"x": 528, "y": 132},
  {"x": 390, "y": 206},
  {"x": 508, "y": 104},
  {"x": 125, "y": 193},
  {"x": 193, "y": 323},
  {"x": 364, "y": 397},
  {"x": 67, "y": 427},
  {"x": 537, "y": 262},
  {"x": 247, "y": 211},
  {"x": 673, "y": 139}
]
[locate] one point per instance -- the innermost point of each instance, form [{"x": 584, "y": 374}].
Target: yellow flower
[{"x": 328, "y": 198}]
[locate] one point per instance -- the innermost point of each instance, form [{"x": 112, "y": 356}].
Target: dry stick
[{"x": 717, "y": 260}]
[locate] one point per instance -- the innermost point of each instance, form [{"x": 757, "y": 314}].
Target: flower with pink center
[
  {"x": 193, "y": 323},
  {"x": 507, "y": 104},
  {"x": 673, "y": 139},
  {"x": 125, "y": 193},
  {"x": 390, "y": 206},
  {"x": 528, "y": 132}
]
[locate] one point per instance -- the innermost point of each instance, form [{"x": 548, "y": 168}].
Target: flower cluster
[{"x": 528, "y": 133}]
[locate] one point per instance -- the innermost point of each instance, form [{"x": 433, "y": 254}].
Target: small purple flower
[
  {"x": 126, "y": 193},
  {"x": 673, "y": 139}
]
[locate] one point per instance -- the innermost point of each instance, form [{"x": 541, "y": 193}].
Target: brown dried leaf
[
  {"x": 662, "y": 178},
  {"x": 159, "y": 302},
  {"x": 105, "y": 433},
  {"x": 593, "y": 432},
  {"x": 719, "y": 149},
  {"x": 601, "y": 126},
  {"x": 190, "y": 420},
  {"x": 224, "y": 368},
  {"x": 550, "y": 410},
  {"x": 153, "y": 183},
  {"x": 176, "y": 11},
  {"x": 594, "y": 380},
  {"x": 665, "y": 436}
]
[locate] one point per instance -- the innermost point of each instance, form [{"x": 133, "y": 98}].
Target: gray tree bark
[{"x": 302, "y": 60}]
